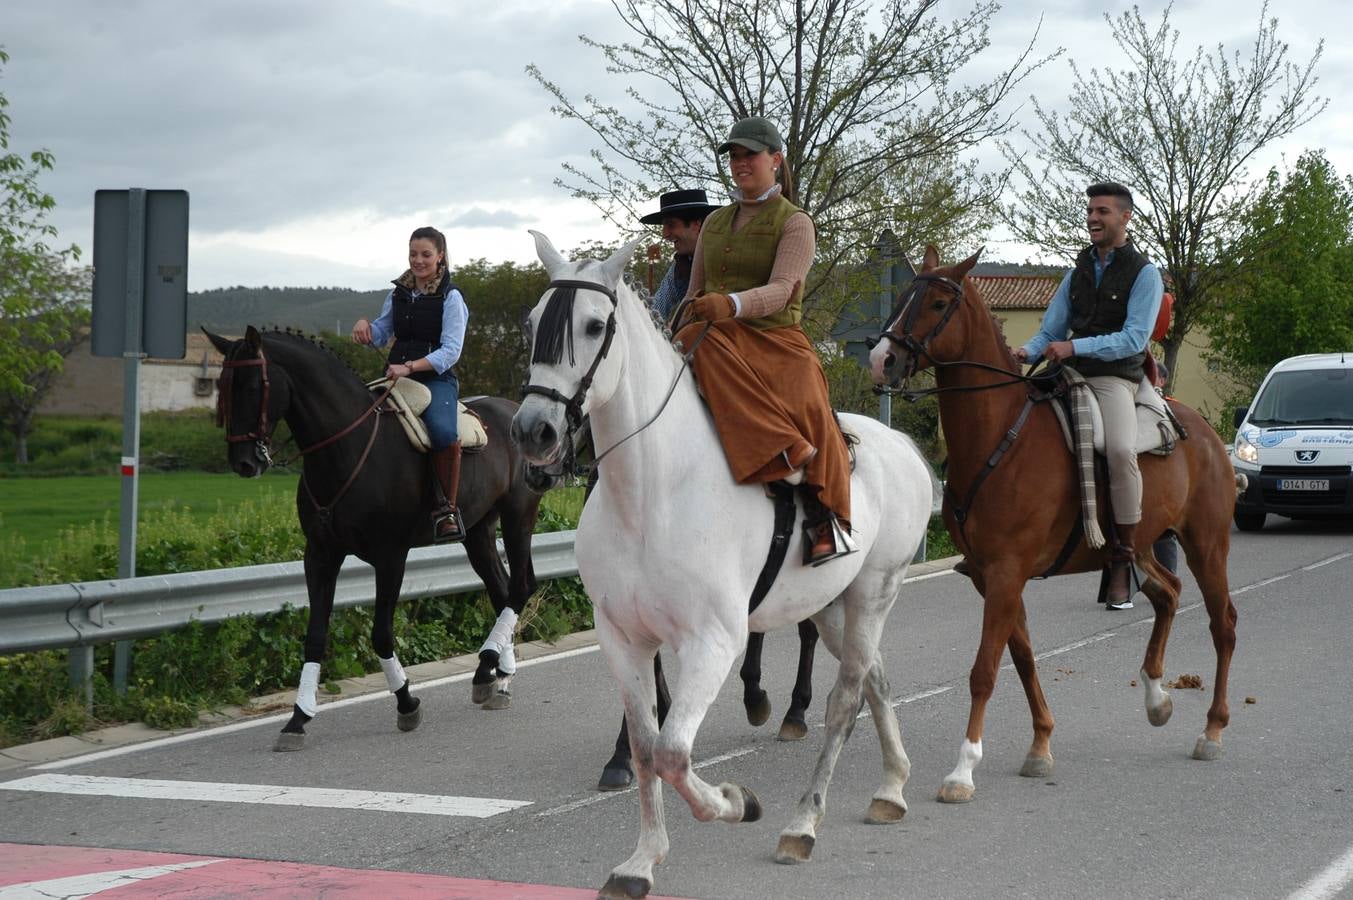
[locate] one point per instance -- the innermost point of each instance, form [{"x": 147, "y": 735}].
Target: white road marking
[
  {"x": 214, "y": 731},
  {"x": 1335, "y": 878},
  {"x": 76, "y": 887},
  {"x": 1326, "y": 562},
  {"x": 267, "y": 794}
]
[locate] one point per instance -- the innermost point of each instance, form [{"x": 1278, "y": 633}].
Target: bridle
[
  {"x": 573, "y": 406},
  {"x": 261, "y": 434},
  {"x": 905, "y": 312}
]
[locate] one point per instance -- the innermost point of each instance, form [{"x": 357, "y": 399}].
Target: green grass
[{"x": 39, "y": 509}]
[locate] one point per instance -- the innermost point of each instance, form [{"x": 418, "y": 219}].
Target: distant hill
[{"x": 229, "y": 310}]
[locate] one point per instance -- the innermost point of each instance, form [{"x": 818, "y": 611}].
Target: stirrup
[
  {"x": 453, "y": 535},
  {"x": 842, "y": 543}
]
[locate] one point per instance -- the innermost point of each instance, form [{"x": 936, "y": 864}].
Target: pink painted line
[{"x": 30, "y": 865}]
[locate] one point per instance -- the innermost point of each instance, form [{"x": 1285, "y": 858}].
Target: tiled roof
[{"x": 1016, "y": 291}]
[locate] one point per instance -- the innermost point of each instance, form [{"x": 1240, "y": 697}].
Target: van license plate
[{"x": 1303, "y": 484}]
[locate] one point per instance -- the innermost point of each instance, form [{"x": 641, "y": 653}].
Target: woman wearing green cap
[{"x": 756, "y": 367}]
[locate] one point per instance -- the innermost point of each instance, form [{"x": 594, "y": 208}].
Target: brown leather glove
[{"x": 712, "y": 307}]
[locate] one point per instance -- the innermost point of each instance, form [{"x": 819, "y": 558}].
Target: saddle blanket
[
  {"x": 1156, "y": 431},
  {"x": 407, "y": 400}
]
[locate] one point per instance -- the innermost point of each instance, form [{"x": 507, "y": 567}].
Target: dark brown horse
[{"x": 1017, "y": 523}]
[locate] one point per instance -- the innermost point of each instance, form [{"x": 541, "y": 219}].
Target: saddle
[
  {"x": 407, "y": 400},
  {"x": 1157, "y": 429}
]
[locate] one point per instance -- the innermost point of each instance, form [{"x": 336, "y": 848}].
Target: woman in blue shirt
[{"x": 426, "y": 316}]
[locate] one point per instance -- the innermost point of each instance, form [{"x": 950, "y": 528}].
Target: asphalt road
[{"x": 1126, "y": 813}]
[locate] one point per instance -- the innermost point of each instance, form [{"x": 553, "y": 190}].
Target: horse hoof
[
  {"x": 791, "y": 730},
  {"x": 615, "y": 778},
  {"x": 751, "y": 807},
  {"x": 410, "y": 720},
  {"x": 1159, "y": 715},
  {"x": 1036, "y": 767},
  {"x": 1206, "y": 749},
  {"x": 953, "y": 792},
  {"x": 758, "y": 710},
  {"x": 884, "y": 812},
  {"x": 288, "y": 741},
  {"x": 500, "y": 700},
  {"x": 482, "y": 692},
  {"x": 794, "y": 848},
  {"x": 622, "y": 887}
]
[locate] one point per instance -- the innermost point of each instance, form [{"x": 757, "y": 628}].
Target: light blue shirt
[
  {"x": 455, "y": 315},
  {"x": 1143, "y": 307}
]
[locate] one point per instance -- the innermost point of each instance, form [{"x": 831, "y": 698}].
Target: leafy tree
[
  {"x": 42, "y": 303},
  {"x": 1294, "y": 293},
  {"x": 1180, "y": 132},
  {"x": 495, "y": 357},
  {"x": 875, "y": 128}
]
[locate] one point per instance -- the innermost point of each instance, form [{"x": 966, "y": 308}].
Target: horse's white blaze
[
  {"x": 877, "y": 357},
  {"x": 670, "y": 547},
  {"x": 394, "y": 673},
  {"x": 305, "y": 693},
  {"x": 969, "y": 755}
]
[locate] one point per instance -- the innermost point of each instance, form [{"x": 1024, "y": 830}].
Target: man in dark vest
[
  {"x": 680, "y": 213},
  {"x": 1098, "y": 322}
]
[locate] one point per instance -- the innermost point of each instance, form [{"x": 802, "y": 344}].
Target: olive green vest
[{"x": 742, "y": 260}]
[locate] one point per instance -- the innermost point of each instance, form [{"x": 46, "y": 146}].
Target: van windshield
[{"x": 1310, "y": 397}]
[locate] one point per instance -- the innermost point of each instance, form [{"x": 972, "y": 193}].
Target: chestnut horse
[{"x": 1018, "y": 523}]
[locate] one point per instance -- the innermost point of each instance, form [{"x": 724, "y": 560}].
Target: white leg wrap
[
  {"x": 969, "y": 755},
  {"x": 500, "y": 639},
  {"x": 1155, "y": 694},
  {"x": 305, "y": 694},
  {"x": 394, "y": 673},
  {"x": 507, "y": 661}
]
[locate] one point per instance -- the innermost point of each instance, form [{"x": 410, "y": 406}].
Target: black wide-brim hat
[{"x": 687, "y": 204}]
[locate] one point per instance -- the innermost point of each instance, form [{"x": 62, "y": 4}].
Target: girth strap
[{"x": 783, "y": 496}]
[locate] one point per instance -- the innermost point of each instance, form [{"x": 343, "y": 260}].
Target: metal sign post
[{"x": 139, "y": 310}]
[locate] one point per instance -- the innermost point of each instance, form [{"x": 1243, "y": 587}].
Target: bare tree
[
  {"x": 864, "y": 92},
  {"x": 1180, "y": 132}
]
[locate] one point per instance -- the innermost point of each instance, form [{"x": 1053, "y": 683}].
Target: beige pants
[{"x": 1117, "y": 404}]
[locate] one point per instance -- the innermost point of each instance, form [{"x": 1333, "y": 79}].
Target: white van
[{"x": 1295, "y": 442}]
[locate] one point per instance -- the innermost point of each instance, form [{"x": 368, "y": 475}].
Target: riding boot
[
  {"x": 824, "y": 537},
  {"x": 447, "y": 524},
  {"x": 1119, "y": 595}
]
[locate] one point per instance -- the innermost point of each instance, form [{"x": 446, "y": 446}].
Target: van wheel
[{"x": 1250, "y": 521}]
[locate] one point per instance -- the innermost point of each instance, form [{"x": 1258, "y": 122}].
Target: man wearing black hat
[{"x": 681, "y": 213}]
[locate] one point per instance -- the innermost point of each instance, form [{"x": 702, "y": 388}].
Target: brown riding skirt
[{"x": 768, "y": 395}]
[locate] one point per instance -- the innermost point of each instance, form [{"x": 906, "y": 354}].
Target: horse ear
[
  {"x": 931, "y": 260},
  {"x": 619, "y": 261},
  {"x": 253, "y": 338},
  {"x": 221, "y": 344},
  {"x": 964, "y": 267},
  {"x": 550, "y": 258}
]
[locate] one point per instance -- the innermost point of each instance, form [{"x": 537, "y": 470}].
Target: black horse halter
[
  {"x": 261, "y": 434},
  {"x": 907, "y": 310},
  {"x": 573, "y": 406}
]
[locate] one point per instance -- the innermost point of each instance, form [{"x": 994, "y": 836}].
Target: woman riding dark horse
[{"x": 365, "y": 491}]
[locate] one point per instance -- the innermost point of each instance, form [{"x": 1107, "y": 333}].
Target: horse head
[
  {"x": 575, "y": 365},
  {"x": 927, "y": 325},
  {"x": 250, "y": 402}
]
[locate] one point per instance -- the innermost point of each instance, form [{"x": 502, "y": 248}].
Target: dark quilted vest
[
  {"x": 418, "y": 321},
  {"x": 1103, "y": 310}
]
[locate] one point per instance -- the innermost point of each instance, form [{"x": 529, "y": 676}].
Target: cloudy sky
[{"x": 314, "y": 135}]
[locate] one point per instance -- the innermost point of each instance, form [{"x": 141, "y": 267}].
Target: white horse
[{"x": 669, "y": 548}]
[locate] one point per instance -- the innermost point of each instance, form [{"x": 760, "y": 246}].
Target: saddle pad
[
  {"x": 1155, "y": 429},
  {"x": 408, "y": 399}
]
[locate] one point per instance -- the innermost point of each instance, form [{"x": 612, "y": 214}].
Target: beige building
[
  {"x": 1019, "y": 302},
  {"x": 92, "y": 385}
]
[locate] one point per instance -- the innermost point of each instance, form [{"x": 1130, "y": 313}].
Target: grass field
[{"x": 38, "y": 509}]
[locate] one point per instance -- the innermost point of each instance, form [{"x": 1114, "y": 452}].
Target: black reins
[{"x": 573, "y": 406}]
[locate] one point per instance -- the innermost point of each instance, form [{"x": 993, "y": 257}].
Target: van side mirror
[{"x": 1239, "y": 416}]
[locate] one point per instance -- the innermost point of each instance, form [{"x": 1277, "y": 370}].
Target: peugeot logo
[{"x": 1307, "y": 456}]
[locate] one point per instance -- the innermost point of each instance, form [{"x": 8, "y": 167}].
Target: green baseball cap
[{"x": 754, "y": 133}]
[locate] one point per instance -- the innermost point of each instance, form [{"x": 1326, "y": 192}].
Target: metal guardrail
[{"x": 63, "y": 616}]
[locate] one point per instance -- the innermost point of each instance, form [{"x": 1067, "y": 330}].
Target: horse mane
[
  {"x": 297, "y": 339},
  {"x": 556, "y": 326}
]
